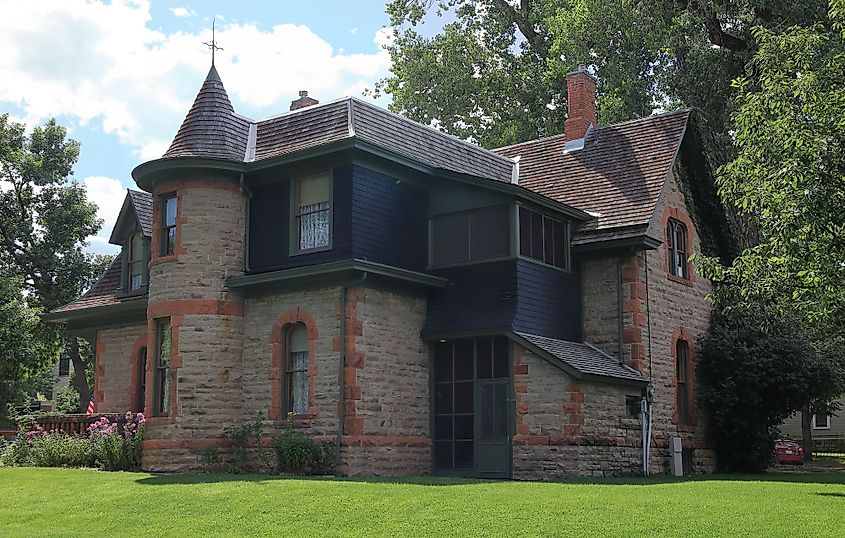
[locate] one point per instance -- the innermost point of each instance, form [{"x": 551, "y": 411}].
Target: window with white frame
[
  {"x": 821, "y": 421},
  {"x": 312, "y": 212}
]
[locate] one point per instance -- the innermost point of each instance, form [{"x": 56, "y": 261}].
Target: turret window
[{"x": 168, "y": 225}]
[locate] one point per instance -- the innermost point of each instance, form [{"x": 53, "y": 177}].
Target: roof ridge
[
  {"x": 599, "y": 127},
  {"x": 304, "y": 110},
  {"x": 435, "y": 130}
]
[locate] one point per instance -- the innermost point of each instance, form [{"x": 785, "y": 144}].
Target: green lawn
[{"x": 68, "y": 502}]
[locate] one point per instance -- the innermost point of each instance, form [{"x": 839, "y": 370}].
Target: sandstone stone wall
[
  {"x": 207, "y": 321},
  {"x": 115, "y": 358},
  {"x": 566, "y": 428},
  {"x": 677, "y": 309}
]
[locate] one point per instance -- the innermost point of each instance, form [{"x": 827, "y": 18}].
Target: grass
[{"x": 80, "y": 502}]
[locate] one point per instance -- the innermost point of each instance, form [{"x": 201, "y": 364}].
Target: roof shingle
[
  {"x": 584, "y": 357},
  {"x": 102, "y": 293},
  {"x": 211, "y": 128},
  {"x": 617, "y": 176},
  {"x": 143, "y": 204}
]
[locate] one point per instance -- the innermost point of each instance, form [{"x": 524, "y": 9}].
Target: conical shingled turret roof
[{"x": 211, "y": 129}]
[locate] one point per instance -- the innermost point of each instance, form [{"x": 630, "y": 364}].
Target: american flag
[{"x": 90, "y": 410}]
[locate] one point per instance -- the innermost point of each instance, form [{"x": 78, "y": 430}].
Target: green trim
[
  {"x": 106, "y": 312},
  {"x": 643, "y": 241},
  {"x": 333, "y": 269},
  {"x": 147, "y": 174},
  {"x": 569, "y": 369}
]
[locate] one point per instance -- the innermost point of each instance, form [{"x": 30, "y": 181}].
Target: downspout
[
  {"x": 649, "y": 397},
  {"x": 248, "y": 195},
  {"x": 619, "y": 323},
  {"x": 341, "y": 366}
]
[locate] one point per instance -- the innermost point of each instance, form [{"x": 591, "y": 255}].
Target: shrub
[
  {"x": 210, "y": 458},
  {"x": 297, "y": 454},
  {"x": 117, "y": 445},
  {"x": 58, "y": 449},
  {"x": 242, "y": 436}
]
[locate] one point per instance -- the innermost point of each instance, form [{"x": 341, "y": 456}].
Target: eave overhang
[
  {"x": 339, "y": 270},
  {"x": 127, "y": 310}
]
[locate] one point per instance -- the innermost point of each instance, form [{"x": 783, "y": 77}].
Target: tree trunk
[
  {"x": 806, "y": 434},
  {"x": 79, "y": 365}
]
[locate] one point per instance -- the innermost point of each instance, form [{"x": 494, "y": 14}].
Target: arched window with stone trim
[
  {"x": 676, "y": 239},
  {"x": 296, "y": 369},
  {"x": 682, "y": 385}
]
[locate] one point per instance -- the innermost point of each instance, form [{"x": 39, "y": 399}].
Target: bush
[
  {"x": 117, "y": 445},
  {"x": 58, "y": 449},
  {"x": 242, "y": 436},
  {"x": 210, "y": 458},
  {"x": 297, "y": 454},
  {"x": 753, "y": 373}
]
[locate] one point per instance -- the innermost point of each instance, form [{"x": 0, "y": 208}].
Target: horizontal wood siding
[
  {"x": 389, "y": 223},
  {"x": 548, "y": 302},
  {"x": 482, "y": 297},
  {"x": 269, "y": 226}
]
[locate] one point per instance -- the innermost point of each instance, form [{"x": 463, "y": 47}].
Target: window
[
  {"x": 164, "y": 353},
  {"x": 296, "y": 370},
  {"x": 168, "y": 225},
  {"x": 138, "y": 406},
  {"x": 633, "y": 407},
  {"x": 479, "y": 234},
  {"x": 821, "y": 421},
  {"x": 676, "y": 236},
  {"x": 312, "y": 205},
  {"x": 64, "y": 365},
  {"x": 543, "y": 238},
  {"x": 136, "y": 273},
  {"x": 682, "y": 380}
]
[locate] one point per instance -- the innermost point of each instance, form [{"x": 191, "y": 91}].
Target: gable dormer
[{"x": 132, "y": 232}]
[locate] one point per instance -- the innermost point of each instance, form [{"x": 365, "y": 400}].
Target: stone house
[{"x": 426, "y": 305}]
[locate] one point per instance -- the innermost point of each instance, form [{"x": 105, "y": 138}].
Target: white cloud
[
  {"x": 353, "y": 31},
  {"x": 104, "y": 65},
  {"x": 108, "y": 194},
  {"x": 182, "y": 12}
]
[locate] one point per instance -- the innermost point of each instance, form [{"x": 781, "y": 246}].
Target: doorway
[{"x": 472, "y": 407}]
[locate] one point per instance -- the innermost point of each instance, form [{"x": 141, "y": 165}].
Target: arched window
[
  {"x": 676, "y": 237},
  {"x": 682, "y": 377},
  {"x": 296, "y": 370}
]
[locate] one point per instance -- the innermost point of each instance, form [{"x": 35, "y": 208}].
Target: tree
[
  {"x": 495, "y": 73},
  {"x": 24, "y": 350},
  {"x": 753, "y": 372},
  {"x": 45, "y": 218},
  {"x": 788, "y": 177}
]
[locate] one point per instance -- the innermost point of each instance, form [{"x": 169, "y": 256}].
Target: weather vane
[{"x": 213, "y": 46}]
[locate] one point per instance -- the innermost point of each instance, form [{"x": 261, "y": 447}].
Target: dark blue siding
[
  {"x": 389, "y": 223},
  {"x": 481, "y": 297},
  {"x": 549, "y": 302},
  {"x": 269, "y": 226}
]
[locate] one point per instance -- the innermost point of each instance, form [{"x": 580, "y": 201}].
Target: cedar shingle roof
[
  {"x": 618, "y": 175},
  {"x": 584, "y": 358},
  {"x": 211, "y": 128},
  {"x": 102, "y": 293},
  {"x": 143, "y": 204}
]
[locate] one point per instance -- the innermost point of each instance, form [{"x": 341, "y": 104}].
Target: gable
[
  {"x": 618, "y": 175},
  {"x": 136, "y": 213}
]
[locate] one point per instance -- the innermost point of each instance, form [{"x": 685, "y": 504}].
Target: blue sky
[{"x": 121, "y": 75}]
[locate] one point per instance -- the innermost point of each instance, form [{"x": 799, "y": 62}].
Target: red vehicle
[{"x": 788, "y": 451}]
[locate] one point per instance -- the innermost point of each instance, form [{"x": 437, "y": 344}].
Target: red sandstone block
[
  {"x": 355, "y": 360},
  {"x": 520, "y": 387},
  {"x": 522, "y": 409},
  {"x": 354, "y": 425},
  {"x": 569, "y": 408},
  {"x": 522, "y": 429},
  {"x": 520, "y": 369},
  {"x": 632, "y": 335},
  {"x": 335, "y": 344},
  {"x": 576, "y": 397},
  {"x": 352, "y": 393},
  {"x": 632, "y": 305},
  {"x": 349, "y": 376},
  {"x": 576, "y": 418},
  {"x": 538, "y": 439},
  {"x": 572, "y": 387},
  {"x": 520, "y": 439},
  {"x": 571, "y": 429},
  {"x": 630, "y": 274},
  {"x": 637, "y": 290}
]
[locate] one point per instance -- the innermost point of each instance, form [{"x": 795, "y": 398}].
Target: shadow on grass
[{"x": 835, "y": 477}]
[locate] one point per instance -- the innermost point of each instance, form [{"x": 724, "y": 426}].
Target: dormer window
[{"x": 137, "y": 266}]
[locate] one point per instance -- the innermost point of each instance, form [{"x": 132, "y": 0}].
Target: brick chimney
[
  {"x": 303, "y": 101},
  {"x": 580, "y": 103}
]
